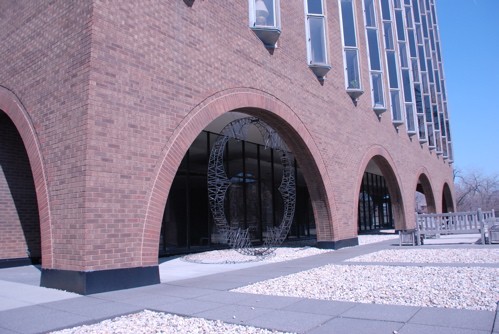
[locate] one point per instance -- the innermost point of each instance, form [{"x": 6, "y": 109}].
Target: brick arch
[
  {"x": 387, "y": 166},
  {"x": 427, "y": 189},
  {"x": 447, "y": 199},
  {"x": 12, "y": 107},
  {"x": 253, "y": 102}
]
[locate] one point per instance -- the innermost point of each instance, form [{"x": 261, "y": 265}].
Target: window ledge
[
  {"x": 320, "y": 70},
  {"x": 355, "y": 93},
  {"x": 379, "y": 110},
  {"x": 423, "y": 141},
  {"x": 397, "y": 123},
  {"x": 411, "y": 133},
  {"x": 268, "y": 35}
]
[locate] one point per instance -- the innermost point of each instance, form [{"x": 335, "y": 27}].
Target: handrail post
[{"x": 482, "y": 225}]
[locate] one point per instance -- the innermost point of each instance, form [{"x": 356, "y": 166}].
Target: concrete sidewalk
[{"x": 204, "y": 291}]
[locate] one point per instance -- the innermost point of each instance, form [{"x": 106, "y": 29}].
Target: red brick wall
[{"x": 115, "y": 113}]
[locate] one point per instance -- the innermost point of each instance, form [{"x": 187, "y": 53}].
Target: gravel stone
[
  {"x": 464, "y": 288},
  {"x": 230, "y": 256},
  {"x": 432, "y": 256},
  {"x": 146, "y": 322}
]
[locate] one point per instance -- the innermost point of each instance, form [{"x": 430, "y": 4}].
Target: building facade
[{"x": 110, "y": 110}]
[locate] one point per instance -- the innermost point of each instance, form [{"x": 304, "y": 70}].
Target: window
[
  {"x": 392, "y": 63},
  {"x": 265, "y": 20},
  {"x": 351, "y": 52},
  {"x": 316, "y": 38},
  {"x": 374, "y": 57}
]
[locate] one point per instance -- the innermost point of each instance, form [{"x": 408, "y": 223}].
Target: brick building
[{"x": 109, "y": 111}]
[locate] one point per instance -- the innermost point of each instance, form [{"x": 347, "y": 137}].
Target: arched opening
[
  {"x": 380, "y": 202},
  {"x": 19, "y": 220},
  {"x": 278, "y": 116},
  {"x": 447, "y": 202},
  {"x": 424, "y": 198},
  {"x": 252, "y": 201}
]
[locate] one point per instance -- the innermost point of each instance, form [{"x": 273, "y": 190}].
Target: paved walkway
[{"x": 203, "y": 291}]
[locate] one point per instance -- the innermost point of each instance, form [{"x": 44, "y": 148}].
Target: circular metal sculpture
[{"x": 218, "y": 183}]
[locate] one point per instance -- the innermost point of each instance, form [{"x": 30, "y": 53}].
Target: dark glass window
[
  {"x": 412, "y": 43},
  {"x": 348, "y": 23},
  {"x": 377, "y": 90},
  {"x": 406, "y": 79},
  {"x": 369, "y": 13},
  {"x": 419, "y": 98},
  {"x": 400, "y": 25},
  {"x": 409, "y": 112},
  {"x": 372, "y": 37},
  {"x": 422, "y": 62},
  {"x": 392, "y": 69},
  {"x": 385, "y": 10},
  {"x": 403, "y": 55},
  {"x": 396, "y": 112},
  {"x": 388, "y": 35},
  {"x": 315, "y": 7},
  {"x": 352, "y": 69}
]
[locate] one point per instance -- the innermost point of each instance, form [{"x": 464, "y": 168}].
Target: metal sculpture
[{"x": 218, "y": 183}]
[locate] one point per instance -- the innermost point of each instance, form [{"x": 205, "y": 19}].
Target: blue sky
[{"x": 469, "y": 32}]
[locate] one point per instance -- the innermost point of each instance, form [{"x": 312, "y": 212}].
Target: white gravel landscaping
[
  {"x": 230, "y": 256},
  {"x": 432, "y": 256},
  {"x": 147, "y": 322},
  {"x": 465, "y": 288}
]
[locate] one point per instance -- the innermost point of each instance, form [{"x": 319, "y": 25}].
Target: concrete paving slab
[
  {"x": 182, "y": 291},
  {"x": 418, "y": 329},
  {"x": 75, "y": 303},
  {"x": 357, "y": 326},
  {"x": 269, "y": 302},
  {"x": 225, "y": 297},
  {"x": 395, "y": 313},
  {"x": 333, "y": 308},
  {"x": 236, "y": 314},
  {"x": 217, "y": 283},
  {"x": 11, "y": 303},
  {"x": 289, "y": 321},
  {"x": 187, "y": 307},
  {"x": 178, "y": 269},
  {"x": 29, "y": 275},
  {"x": 30, "y": 295},
  {"x": 150, "y": 301},
  {"x": 456, "y": 318},
  {"x": 36, "y": 319}
]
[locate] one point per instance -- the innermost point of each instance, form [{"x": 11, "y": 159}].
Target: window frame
[
  {"x": 320, "y": 69},
  {"x": 377, "y": 75},
  {"x": 355, "y": 89},
  {"x": 268, "y": 34}
]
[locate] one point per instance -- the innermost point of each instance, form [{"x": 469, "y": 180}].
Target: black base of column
[
  {"x": 19, "y": 262},
  {"x": 338, "y": 244},
  {"x": 89, "y": 282}
]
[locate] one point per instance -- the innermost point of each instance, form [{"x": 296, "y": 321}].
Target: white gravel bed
[
  {"x": 228, "y": 256},
  {"x": 463, "y": 288},
  {"x": 155, "y": 322},
  {"x": 432, "y": 256}
]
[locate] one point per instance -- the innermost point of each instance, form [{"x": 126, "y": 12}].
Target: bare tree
[{"x": 475, "y": 190}]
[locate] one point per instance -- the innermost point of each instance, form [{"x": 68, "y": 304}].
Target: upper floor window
[
  {"x": 351, "y": 52},
  {"x": 374, "y": 58},
  {"x": 316, "y": 37},
  {"x": 265, "y": 20}
]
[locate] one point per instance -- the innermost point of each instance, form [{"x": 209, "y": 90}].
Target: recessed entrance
[
  {"x": 375, "y": 205},
  {"x": 252, "y": 201}
]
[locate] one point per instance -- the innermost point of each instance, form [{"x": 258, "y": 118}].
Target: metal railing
[{"x": 437, "y": 224}]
